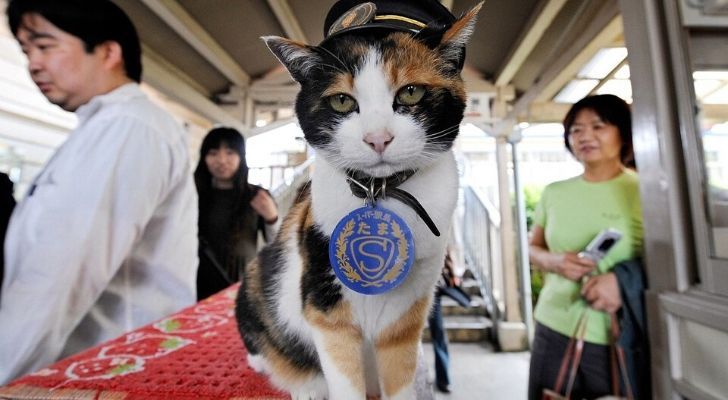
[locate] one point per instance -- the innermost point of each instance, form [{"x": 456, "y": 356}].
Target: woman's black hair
[
  {"x": 612, "y": 110},
  {"x": 215, "y": 139},
  {"x": 92, "y": 21}
]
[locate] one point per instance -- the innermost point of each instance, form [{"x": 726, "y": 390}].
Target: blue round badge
[{"x": 371, "y": 250}]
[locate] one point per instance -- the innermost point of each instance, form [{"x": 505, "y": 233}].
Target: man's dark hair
[
  {"x": 612, "y": 110},
  {"x": 92, "y": 21}
]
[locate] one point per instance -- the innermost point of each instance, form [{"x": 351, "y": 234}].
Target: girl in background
[{"x": 232, "y": 211}]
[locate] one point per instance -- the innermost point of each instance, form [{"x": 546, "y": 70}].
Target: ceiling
[{"x": 207, "y": 54}]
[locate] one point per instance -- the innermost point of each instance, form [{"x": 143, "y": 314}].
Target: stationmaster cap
[{"x": 411, "y": 16}]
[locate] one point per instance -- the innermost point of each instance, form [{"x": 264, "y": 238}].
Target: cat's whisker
[
  {"x": 343, "y": 164},
  {"x": 438, "y": 146},
  {"x": 449, "y": 129},
  {"x": 432, "y": 152},
  {"x": 346, "y": 67},
  {"x": 440, "y": 136},
  {"x": 332, "y": 67}
]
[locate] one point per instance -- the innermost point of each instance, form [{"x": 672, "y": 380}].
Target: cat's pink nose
[{"x": 378, "y": 140}]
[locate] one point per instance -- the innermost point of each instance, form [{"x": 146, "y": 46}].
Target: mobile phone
[{"x": 601, "y": 244}]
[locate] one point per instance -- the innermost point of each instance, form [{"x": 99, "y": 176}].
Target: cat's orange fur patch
[
  {"x": 284, "y": 369},
  {"x": 343, "y": 340},
  {"x": 414, "y": 63},
  {"x": 397, "y": 348},
  {"x": 342, "y": 83}
]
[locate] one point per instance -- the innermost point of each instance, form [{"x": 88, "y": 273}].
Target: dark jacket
[
  {"x": 7, "y": 204},
  {"x": 634, "y": 338}
]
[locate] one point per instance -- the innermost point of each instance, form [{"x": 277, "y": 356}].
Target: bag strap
[
  {"x": 577, "y": 353},
  {"x": 207, "y": 251},
  {"x": 619, "y": 364},
  {"x": 572, "y": 356},
  {"x": 564, "y": 365}
]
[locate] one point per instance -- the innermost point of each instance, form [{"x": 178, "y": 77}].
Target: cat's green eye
[
  {"x": 342, "y": 103},
  {"x": 410, "y": 95}
]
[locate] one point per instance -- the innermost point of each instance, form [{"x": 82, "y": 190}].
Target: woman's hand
[
  {"x": 573, "y": 267},
  {"x": 568, "y": 265},
  {"x": 602, "y": 292},
  {"x": 264, "y": 205}
]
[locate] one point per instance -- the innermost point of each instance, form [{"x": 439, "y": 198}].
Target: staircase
[{"x": 465, "y": 324}]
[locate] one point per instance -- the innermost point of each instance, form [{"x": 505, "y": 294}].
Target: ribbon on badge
[{"x": 371, "y": 250}]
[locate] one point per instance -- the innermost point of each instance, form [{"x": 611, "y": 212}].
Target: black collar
[{"x": 371, "y": 189}]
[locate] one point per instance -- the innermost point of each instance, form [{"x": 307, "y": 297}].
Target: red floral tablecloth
[{"x": 194, "y": 354}]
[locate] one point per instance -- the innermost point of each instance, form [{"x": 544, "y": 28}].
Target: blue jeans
[{"x": 439, "y": 344}]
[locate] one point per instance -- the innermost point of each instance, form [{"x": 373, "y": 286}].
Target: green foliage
[
  {"x": 531, "y": 196},
  {"x": 536, "y": 284}
]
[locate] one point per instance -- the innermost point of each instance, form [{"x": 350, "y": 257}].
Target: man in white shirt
[{"x": 106, "y": 239}]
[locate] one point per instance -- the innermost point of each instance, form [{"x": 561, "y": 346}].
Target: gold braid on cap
[{"x": 401, "y": 18}]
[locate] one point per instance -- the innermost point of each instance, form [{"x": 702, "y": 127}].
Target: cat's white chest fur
[{"x": 436, "y": 188}]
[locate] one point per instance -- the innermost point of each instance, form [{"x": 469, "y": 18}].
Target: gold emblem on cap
[{"x": 359, "y": 15}]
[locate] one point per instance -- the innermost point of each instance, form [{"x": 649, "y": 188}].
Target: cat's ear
[
  {"x": 298, "y": 58},
  {"x": 452, "y": 44}
]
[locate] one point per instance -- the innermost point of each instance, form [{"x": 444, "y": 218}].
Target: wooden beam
[
  {"x": 546, "y": 112},
  {"x": 176, "y": 108},
  {"x": 177, "y": 18},
  {"x": 474, "y": 81},
  {"x": 178, "y": 88},
  {"x": 447, "y": 3},
  {"x": 714, "y": 112},
  {"x": 605, "y": 38},
  {"x": 571, "y": 60},
  {"x": 536, "y": 27},
  {"x": 609, "y": 76},
  {"x": 288, "y": 20},
  {"x": 150, "y": 56}
]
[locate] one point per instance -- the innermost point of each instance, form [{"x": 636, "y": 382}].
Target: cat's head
[{"x": 380, "y": 100}]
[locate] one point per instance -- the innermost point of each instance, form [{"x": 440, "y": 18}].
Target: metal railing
[
  {"x": 481, "y": 248},
  {"x": 285, "y": 193}
]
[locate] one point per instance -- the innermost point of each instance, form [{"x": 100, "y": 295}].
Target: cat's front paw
[
  {"x": 308, "y": 396},
  {"x": 258, "y": 363},
  {"x": 315, "y": 389}
]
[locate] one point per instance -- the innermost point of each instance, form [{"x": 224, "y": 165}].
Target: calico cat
[{"x": 380, "y": 104}]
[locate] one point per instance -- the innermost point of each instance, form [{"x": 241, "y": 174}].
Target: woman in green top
[{"x": 598, "y": 132}]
